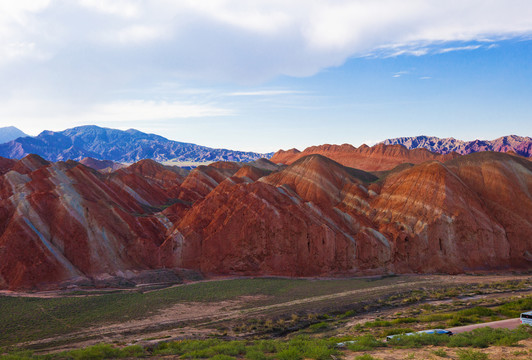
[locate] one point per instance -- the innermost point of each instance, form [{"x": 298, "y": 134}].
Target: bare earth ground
[{"x": 199, "y": 319}]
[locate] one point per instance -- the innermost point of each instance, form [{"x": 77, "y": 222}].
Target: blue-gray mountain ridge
[
  {"x": 117, "y": 145},
  {"x": 521, "y": 145},
  {"x": 9, "y": 133}
]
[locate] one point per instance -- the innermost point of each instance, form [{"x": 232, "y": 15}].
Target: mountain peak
[{"x": 10, "y": 133}]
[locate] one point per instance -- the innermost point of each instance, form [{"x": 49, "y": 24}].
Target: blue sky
[{"x": 263, "y": 75}]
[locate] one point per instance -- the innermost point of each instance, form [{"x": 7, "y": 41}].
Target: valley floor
[{"x": 264, "y": 308}]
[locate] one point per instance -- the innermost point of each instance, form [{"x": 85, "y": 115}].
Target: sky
[{"x": 263, "y": 75}]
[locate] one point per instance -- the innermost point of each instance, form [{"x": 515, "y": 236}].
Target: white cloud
[
  {"x": 246, "y": 41},
  {"x": 400, "y": 73},
  {"x": 27, "y": 114},
  {"x": 137, "y": 110},
  {"x": 79, "y": 60},
  {"x": 265, "y": 93},
  {"x": 122, "y": 8},
  {"x": 136, "y": 34},
  {"x": 459, "y": 48}
]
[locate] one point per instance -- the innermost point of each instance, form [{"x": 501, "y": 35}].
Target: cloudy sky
[{"x": 263, "y": 75}]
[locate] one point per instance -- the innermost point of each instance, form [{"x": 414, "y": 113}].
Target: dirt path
[{"x": 506, "y": 324}]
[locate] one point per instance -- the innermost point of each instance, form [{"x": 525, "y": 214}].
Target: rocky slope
[
  {"x": 376, "y": 158},
  {"x": 518, "y": 144},
  {"x": 115, "y": 145},
  {"x": 65, "y": 223}
]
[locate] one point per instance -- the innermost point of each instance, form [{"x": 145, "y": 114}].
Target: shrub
[
  {"x": 514, "y": 308},
  {"x": 440, "y": 353},
  {"x": 377, "y": 323},
  {"x": 484, "y": 337},
  {"x": 267, "y": 346},
  {"x": 132, "y": 351},
  {"x": 222, "y": 357},
  {"x": 318, "y": 326},
  {"x": 101, "y": 351},
  {"x": 436, "y": 317},
  {"x": 319, "y": 351},
  {"x": 478, "y": 310},
  {"x": 289, "y": 354},
  {"x": 459, "y": 320},
  {"x": 348, "y": 313},
  {"x": 17, "y": 355},
  {"x": 365, "y": 343},
  {"x": 365, "y": 357},
  {"x": 418, "y": 340},
  {"x": 407, "y": 320},
  {"x": 471, "y": 355},
  {"x": 255, "y": 355}
]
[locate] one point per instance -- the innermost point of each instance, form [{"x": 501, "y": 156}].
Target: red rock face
[
  {"x": 62, "y": 222},
  {"x": 6, "y": 165},
  {"x": 377, "y": 158}
]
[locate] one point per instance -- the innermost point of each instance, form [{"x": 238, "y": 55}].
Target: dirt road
[{"x": 507, "y": 324}]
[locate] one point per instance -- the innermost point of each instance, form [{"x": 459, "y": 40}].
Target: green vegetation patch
[
  {"x": 446, "y": 319},
  {"x": 478, "y": 338},
  {"x": 297, "y": 348},
  {"x": 36, "y": 318},
  {"x": 300, "y": 347}
]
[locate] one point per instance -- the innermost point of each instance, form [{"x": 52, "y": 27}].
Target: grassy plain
[
  {"x": 32, "y": 318},
  {"x": 249, "y": 311}
]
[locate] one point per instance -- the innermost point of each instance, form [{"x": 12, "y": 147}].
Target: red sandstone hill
[
  {"x": 376, "y": 158},
  {"x": 64, "y": 223}
]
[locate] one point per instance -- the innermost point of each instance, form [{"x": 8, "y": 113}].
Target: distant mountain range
[
  {"x": 511, "y": 143},
  {"x": 9, "y": 133},
  {"x": 116, "y": 145},
  {"x": 132, "y": 145}
]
